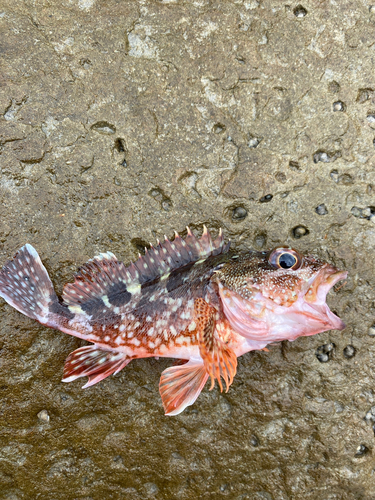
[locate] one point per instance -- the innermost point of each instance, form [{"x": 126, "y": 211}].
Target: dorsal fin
[{"x": 106, "y": 283}]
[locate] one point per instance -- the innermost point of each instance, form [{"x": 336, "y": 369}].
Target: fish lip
[{"x": 325, "y": 280}]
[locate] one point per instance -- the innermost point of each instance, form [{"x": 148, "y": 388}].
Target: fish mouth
[{"x": 315, "y": 297}]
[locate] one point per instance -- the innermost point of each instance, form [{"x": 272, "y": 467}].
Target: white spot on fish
[
  {"x": 106, "y": 301},
  {"x": 173, "y": 330},
  {"x": 192, "y": 326}
]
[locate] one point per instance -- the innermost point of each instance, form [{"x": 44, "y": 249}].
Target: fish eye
[{"x": 285, "y": 258}]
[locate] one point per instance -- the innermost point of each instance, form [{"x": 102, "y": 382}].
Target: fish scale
[{"x": 190, "y": 299}]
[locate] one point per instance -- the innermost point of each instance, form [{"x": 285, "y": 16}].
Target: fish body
[{"x": 190, "y": 299}]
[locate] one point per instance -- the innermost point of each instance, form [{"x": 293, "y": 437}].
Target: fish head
[{"x": 278, "y": 295}]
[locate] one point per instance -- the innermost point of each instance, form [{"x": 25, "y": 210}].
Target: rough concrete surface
[{"x": 124, "y": 120}]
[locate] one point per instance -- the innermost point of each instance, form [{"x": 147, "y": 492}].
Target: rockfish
[{"x": 191, "y": 299}]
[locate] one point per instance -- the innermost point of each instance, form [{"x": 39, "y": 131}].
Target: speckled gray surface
[{"x": 124, "y": 120}]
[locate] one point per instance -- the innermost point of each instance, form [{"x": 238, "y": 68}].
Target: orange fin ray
[
  {"x": 219, "y": 359},
  {"x": 181, "y": 385},
  {"x": 94, "y": 363}
]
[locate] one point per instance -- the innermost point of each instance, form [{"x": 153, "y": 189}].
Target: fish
[{"x": 192, "y": 299}]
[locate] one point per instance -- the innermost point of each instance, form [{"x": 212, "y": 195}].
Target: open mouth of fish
[
  {"x": 264, "y": 319},
  {"x": 315, "y": 307}
]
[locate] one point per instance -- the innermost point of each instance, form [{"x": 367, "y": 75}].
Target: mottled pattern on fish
[{"x": 189, "y": 299}]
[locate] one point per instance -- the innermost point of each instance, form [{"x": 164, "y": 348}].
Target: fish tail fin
[{"x": 25, "y": 285}]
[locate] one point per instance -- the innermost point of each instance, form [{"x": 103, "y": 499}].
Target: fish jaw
[{"x": 262, "y": 319}]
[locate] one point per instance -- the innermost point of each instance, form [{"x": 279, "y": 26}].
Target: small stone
[
  {"x": 356, "y": 211},
  {"x": 104, "y": 128},
  {"x": 321, "y": 156},
  {"x": 151, "y": 489},
  {"x": 253, "y": 142},
  {"x": 334, "y": 175},
  {"x": 361, "y": 450},
  {"x": 266, "y": 199},
  {"x": 338, "y": 106},
  {"x": 324, "y": 352},
  {"x": 299, "y": 11},
  {"x": 363, "y": 95},
  {"x": 371, "y": 331},
  {"x": 328, "y": 347},
  {"x": 370, "y": 415},
  {"x": 366, "y": 212},
  {"x": 349, "y": 351},
  {"x": 166, "y": 205},
  {"x": 371, "y": 118},
  {"x": 299, "y": 231},
  {"x": 43, "y": 416},
  {"x": 323, "y": 358},
  {"x": 254, "y": 441},
  {"x": 239, "y": 213},
  {"x": 321, "y": 209},
  {"x": 218, "y": 128}
]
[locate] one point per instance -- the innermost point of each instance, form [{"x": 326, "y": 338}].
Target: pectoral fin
[
  {"x": 219, "y": 359},
  {"x": 94, "y": 363},
  {"x": 181, "y": 385}
]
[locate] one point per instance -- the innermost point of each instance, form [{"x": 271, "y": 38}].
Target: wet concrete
[{"x": 122, "y": 121}]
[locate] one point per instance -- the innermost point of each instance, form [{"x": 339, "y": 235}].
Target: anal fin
[
  {"x": 219, "y": 359},
  {"x": 181, "y": 385},
  {"x": 94, "y": 363}
]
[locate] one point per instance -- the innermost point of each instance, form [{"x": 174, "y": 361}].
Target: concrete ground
[{"x": 124, "y": 120}]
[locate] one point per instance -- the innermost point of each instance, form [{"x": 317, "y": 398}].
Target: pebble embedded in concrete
[
  {"x": 349, "y": 351},
  {"x": 321, "y": 209},
  {"x": 300, "y": 231},
  {"x": 300, "y": 11},
  {"x": 239, "y": 213},
  {"x": 43, "y": 416},
  {"x": 338, "y": 106}
]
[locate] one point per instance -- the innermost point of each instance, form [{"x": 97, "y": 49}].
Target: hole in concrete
[
  {"x": 339, "y": 106},
  {"x": 349, "y": 352},
  {"x": 294, "y": 165},
  {"x": 333, "y": 87},
  {"x": 266, "y": 198},
  {"x": 300, "y": 11},
  {"x": 120, "y": 145},
  {"x": 239, "y": 213},
  {"x": 324, "y": 352},
  {"x": 140, "y": 245},
  {"x": 299, "y": 231},
  {"x": 218, "y": 128},
  {"x": 260, "y": 240},
  {"x": 364, "y": 95},
  {"x": 361, "y": 451},
  {"x": 321, "y": 209},
  {"x": 103, "y": 127},
  {"x": 254, "y": 141}
]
